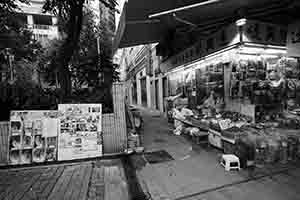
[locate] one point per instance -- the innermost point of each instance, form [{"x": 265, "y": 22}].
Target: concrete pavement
[{"x": 195, "y": 170}]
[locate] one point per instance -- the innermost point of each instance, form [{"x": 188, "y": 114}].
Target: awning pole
[{"x": 183, "y": 8}]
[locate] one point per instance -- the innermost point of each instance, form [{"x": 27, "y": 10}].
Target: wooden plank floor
[{"x": 87, "y": 180}]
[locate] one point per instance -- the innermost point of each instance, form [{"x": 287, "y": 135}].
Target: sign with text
[
  {"x": 80, "y": 131},
  {"x": 252, "y": 32},
  {"x": 264, "y": 33},
  {"x": 217, "y": 41}
]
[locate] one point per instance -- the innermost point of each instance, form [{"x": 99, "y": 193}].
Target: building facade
[
  {"x": 43, "y": 25},
  {"x": 140, "y": 69},
  {"x": 201, "y": 53}
]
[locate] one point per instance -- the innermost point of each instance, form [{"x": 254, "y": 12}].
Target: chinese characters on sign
[
  {"x": 253, "y": 32},
  {"x": 264, "y": 33}
]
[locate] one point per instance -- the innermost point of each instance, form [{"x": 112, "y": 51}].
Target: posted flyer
[{"x": 80, "y": 131}]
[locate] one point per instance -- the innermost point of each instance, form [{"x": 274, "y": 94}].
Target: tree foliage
[
  {"x": 71, "y": 11},
  {"x": 13, "y": 34},
  {"x": 17, "y": 41},
  {"x": 83, "y": 66},
  {"x": 67, "y": 59}
]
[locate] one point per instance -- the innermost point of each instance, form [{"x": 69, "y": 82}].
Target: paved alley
[
  {"x": 103, "y": 180},
  {"x": 195, "y": 172}
]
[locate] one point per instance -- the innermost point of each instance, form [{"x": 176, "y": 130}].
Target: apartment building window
[
  {"x": 21, "y": 18},
  {"x": 42, "y": 20},
  {"x": 40, "y": 36},
  {"x": 3, "y": 72},
  {"x": 41, "y": 26}
]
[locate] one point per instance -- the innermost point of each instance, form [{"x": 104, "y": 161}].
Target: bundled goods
[
  {"x": 272, "y": 150},
  {"x": 232, "y": 132},
  {"x": 283, "y": 152},
  {"x": 288, "y": 122},
  {"x": 235, "y": 116},
  {"x": 186, "y": 130},
  {"x": 292, "y": 147},
  {"x": 133, "y": 141},
  {"x": 260, "y": 152},
  {"x": 214, "y": 124},
  {"x": 245, "y": 150},
  {"x": 178, "y": 128},
  {"x": 228, "y": 147},
  {"x": 195, "y": 133}
]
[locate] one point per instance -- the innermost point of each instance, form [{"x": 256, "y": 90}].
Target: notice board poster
[
  {"x": 33, "y": 136},
  {"x": 80, "y": 131}
]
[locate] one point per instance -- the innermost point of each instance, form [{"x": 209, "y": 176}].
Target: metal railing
[{"x": 40, "y": 26}]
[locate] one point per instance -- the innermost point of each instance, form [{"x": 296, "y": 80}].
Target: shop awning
[{"x": 146, "y": 21}]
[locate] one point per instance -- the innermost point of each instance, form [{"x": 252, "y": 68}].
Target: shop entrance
[{"x": 144, "y": 91}]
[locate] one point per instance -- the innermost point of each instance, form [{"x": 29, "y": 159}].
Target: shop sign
[
  {"x": 255, "y": 32},
  {"x": 264, "y": 33},
  {"x": 80, "y": 131},
  {"x": 221, "y": 39},
  {"x": 293, "y": 40}
]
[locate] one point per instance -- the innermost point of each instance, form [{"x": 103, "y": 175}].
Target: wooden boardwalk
[{"x": 101, "y": 180}]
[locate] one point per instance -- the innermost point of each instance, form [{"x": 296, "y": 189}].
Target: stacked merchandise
[
  {"x": 259, "y": 144},
  {"x": 262, "y": 145},
  {"x": 133, "y": 141}
]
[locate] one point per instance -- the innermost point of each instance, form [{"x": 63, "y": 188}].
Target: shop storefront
[{"x": 244, "y": 91}]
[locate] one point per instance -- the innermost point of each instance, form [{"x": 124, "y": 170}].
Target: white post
[{"x": 30, "y": 20}]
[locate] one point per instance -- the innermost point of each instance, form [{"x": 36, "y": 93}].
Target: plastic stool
[{"x": 230, "y": 161}]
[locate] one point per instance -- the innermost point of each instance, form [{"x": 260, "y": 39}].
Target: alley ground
[
  {"x": 103, "y": 180},
  {"x": 195, "y": 172}
]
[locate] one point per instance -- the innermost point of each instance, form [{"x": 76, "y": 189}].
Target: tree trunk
[{"x": 68, "y": 47}]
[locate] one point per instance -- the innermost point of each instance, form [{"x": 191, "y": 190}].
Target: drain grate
[{"x": 158, "y": 157}]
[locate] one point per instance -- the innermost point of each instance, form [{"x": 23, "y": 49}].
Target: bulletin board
[
  {"x": 80, "y": 131},
  {"x": 33, "y": 136}
]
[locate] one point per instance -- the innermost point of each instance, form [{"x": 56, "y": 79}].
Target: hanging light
[{"x": 241, "y": 22}]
